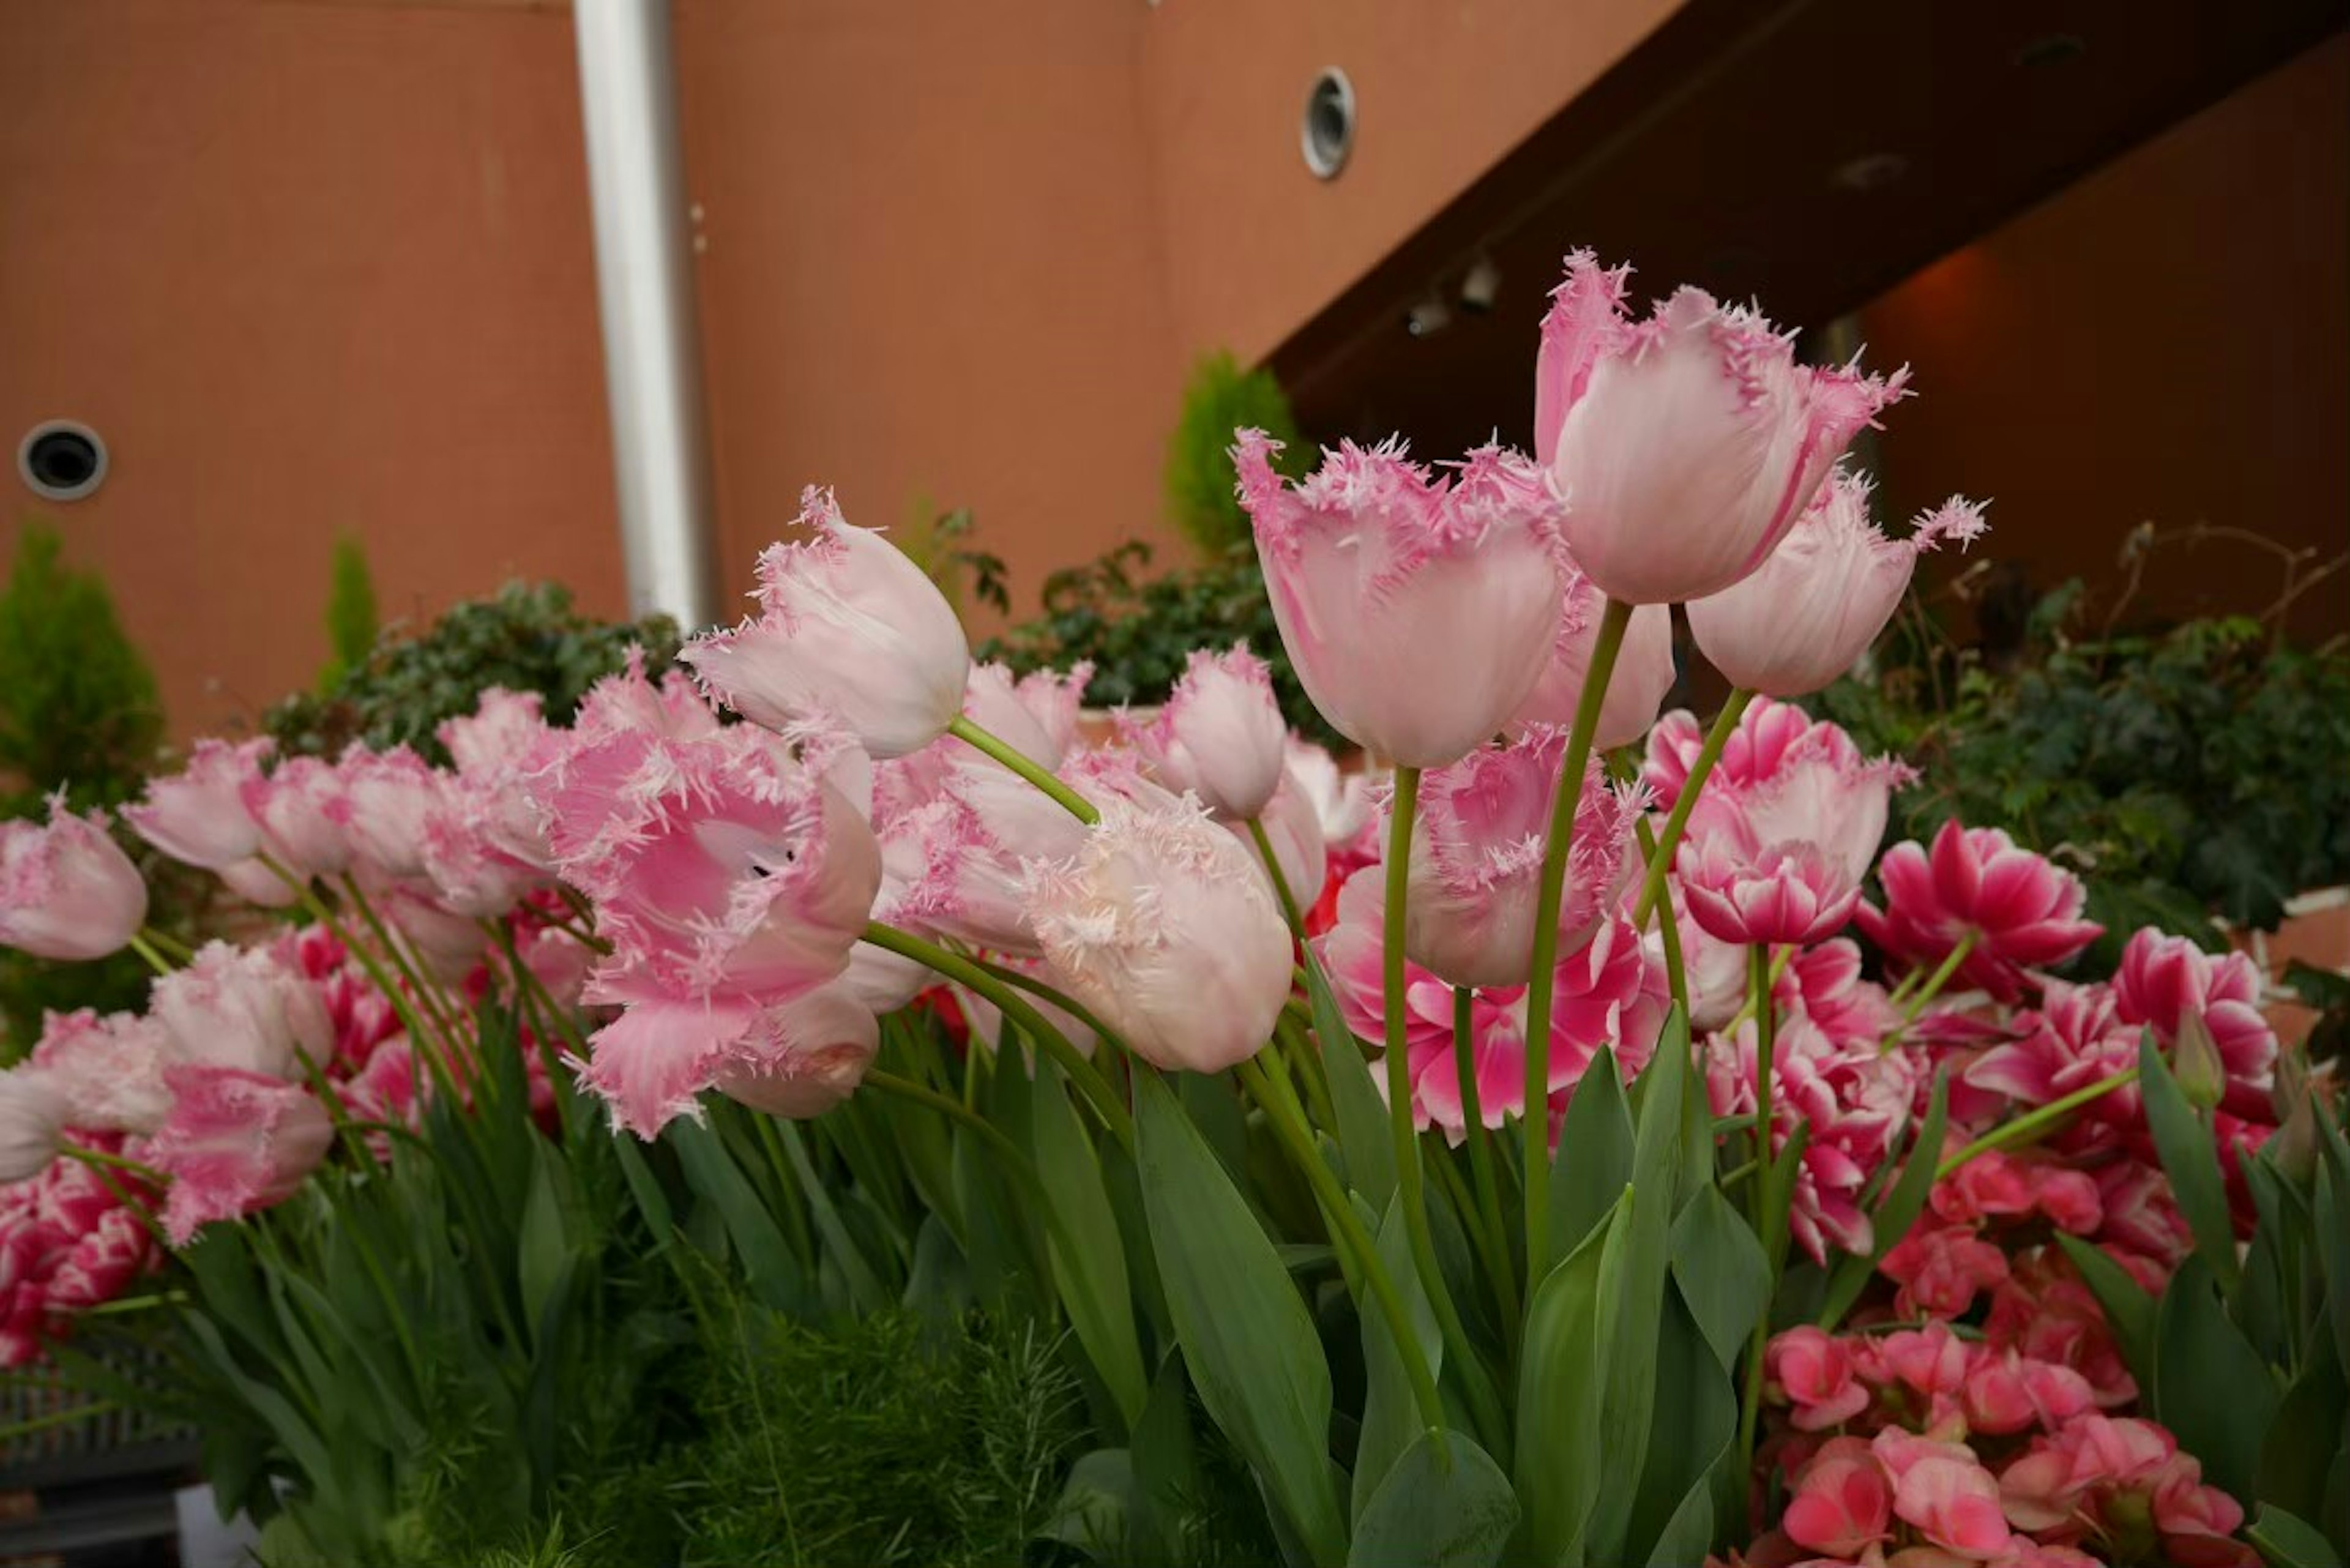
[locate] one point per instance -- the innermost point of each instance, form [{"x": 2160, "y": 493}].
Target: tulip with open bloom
[
  {"x": 1163, "y": 926},
  {"x": 1783, "y": 861},
  {"x": 1477, "y": 850},
  {"x": 1644, "y": 668},
  {"x": 303, "y": 816},
  {"x": 847, "y": 626},
  {"x": 1809, "y": 612},
  {"x": 1417, "y": 610},
  {"x": 66, "y": 891},
  {"x": 1686, "y": 445},
  {"x": 2012, "y": 908},
  {"x": 235, "y": 1142}
]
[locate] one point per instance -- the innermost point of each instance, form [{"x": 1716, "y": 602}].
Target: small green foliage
[
  {"x": 1138, "y": 631},
  {"x": 353, "y": 621},
  {"x": 527, "y": 639},
  {"x": 938, "y": 543},
  {"x": 79, "y": 710},
  {"x": 1221, "y": 399}
]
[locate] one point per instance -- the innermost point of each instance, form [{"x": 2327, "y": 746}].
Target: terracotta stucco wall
[
  {"x": 2164, "y": 341},
  {"x": 307, "y": 268}
]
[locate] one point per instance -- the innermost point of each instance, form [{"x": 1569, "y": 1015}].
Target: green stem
[
  {"x": 1660, "y": 861},
  {"x": 1280, "y": 883},
  {"x": 1027, "y": 767},
  {"x": 2027, "y": 1127},
  {"x": 1348, "y": 1228},
  {"x": 169, "y": 946},
  {"x": 100, "y": 1158},
  {"x": 1675, "y": 970},
  {"x": 67, "y": 1418},
  {"x": 1758, "y": 1190},
  {"x": 1309, "y": 1065},
  {"x": 1940, "y": 978},
  {"x": 1550, "y": 893},
  {"x": 1493, "y": 1232},
  {"x": 145, "y": 949},
  {"x": 429, "y": 997},
  {"x": 1015, "y": 1006}
]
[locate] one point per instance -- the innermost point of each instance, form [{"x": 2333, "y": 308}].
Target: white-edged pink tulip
[
  {"x": 243, "y": 1008},
  {"x": 235, "y": 1142},
  {"x": 1166, "y": 930},
  {"x": 848, "y": 627},
  {"x": 1220, "y": 734},
  {"x": 66, "y": 891},
  {"x": 1341, "y": 801},
  {"x": 303, "y": 816},
  {"x": 33, "y": 1111},
  {"x": 392, "y": 796},
  {"x": 1685, "y": 445},
  {"x": 1783, "y": 860},
  {"x": 1808, "y": 613},
  {"x": 197, "y": 816},
  {"x": 1417, "y": 610},
  {"x": 804, "y": 1057},
  {"x": 1477, "y": 848},
  {"x": 1644, "y": 669},
  {"x": 110, "y": 1068}
]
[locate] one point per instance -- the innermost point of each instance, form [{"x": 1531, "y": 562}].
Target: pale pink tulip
[
  {"x": 303, "y": 816},
  {"x": 1220, "y": 734},
  {"x": 1036, "y": 714},
  {"x": 110, "y": 1069},
  {"x": 245, "y": 1009},
  {"x": 1293, "y": 827},
  {"x": 1686, "y": 445},
  {"x": 33, "y": 1111},
  {"x": 1341, "y": 801},
  {"x": 2017, "y": 910},
  {"x": 256, "y": 884},
  {"x": 66, "y": 891},
  {"x": 628, "y": 702},
  {"x": 1644, "y": 669},
  {"x": 1164, "y": 927},
  {"x": 1477, "y": 851},
  {"x": 804, "y": 1056},
  {"x": 1807, "y": 614},
  {"x": 848, "y": 627},
  {"x": 1416, "y": 611},
  {"x": 235, "y": 1142},
  {"x": 198, "y": 815},
  {"x": 393, "y": 795}
]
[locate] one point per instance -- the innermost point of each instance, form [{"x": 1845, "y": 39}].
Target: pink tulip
[
  {"x": 848, "y": 627},
  {"x": 2005, "y": 1394},
  {"x": 628, "y": 702},
  {"x": 1807, "y": 614},
  {"x": 2076, "y": 1038},
  {"x": 1644, "y": 668},
  {"x": 1686, "y": 445},
  {"x": 110, "y": 1069},
  {"x": 2019, "y": 910},
  {"x": 1163, "y": 927},
  {"x": 1477, "y": 851},
  {"x": 1341, "y": 801},
  {"x": 1294, "y": 826},
  {"x": 245, "y": 1009},
  {"x": 235, "y": 1142},
  {"x": 1036, "y": 714},
  {"x": 66, "y": 891},
  {"x": 2166, "y": 980},
  {"x": 1782, "y": 861},
  {"x": 393, "y": 795},
  {"x": 198, "y": 815},
  {"x": 33, "y": 1111},
  {"x": 1842, "y": 1502},
  {"x": 1816, "y": 1374},
  {"x": 1220, "y": 735},
  {"x": 803, "y": 1056},
  {"x": 957, "y": 858},
  {"x": 496, "y": 748},
  {"x": 1942, "y": 1269},
  {"x": 1770, "y": 737},
  {"x": 1416, "y": 611},
  {"x": 303, "y": 816},
  {"x": 1954, "y": 1503}
]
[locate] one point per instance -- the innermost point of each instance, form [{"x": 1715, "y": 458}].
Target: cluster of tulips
[{"x": 1638, "y": 1019}]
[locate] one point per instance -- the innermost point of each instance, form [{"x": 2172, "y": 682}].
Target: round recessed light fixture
[
  {"x": 61, "y": 459},
  {"x": 1327, "y": 132}
]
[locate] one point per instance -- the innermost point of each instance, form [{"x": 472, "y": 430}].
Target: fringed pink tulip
[
  {"x": 1808, "y": 613},
  {"x": 110, "y": 1069},
  {"x": 1688, "y": 444},
  {"x": 234, "y": 1143},
  {"x": 1341, "y": 801},
  {"x": 1036, "y": 714},
  {"x": 197, "y": 816},
  {"x": 1644, "y": 669},
  {"x": 1163, "y": 927},
  {"x": 244, "y": 1009},
  {"x": 393, "y": 796},
  {"x": 1293, "y": 827},
  {"x": 803, "y": 1057},
  {"x": 629, "y": 701},
  {"x": 1477, "y": 853},
  {"x": 303, "y": 816},
  {"x": 848, "y": 627},
  {"x": 66, "y": 891},
  {"x": 2014, "y": 909},
  {"x": 1416, "y": 611},
  {"x": 33, "y": 1111},
  {"x": 2165, "y": 980},
  {"x": 496, "y": 748},
  {"x": 1783, "y": 861},
  {"x": 1220, "y": 734}
]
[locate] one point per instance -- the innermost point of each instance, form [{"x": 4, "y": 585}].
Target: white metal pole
[{"x": 652, "y": 363}]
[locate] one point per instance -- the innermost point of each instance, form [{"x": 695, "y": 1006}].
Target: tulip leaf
[
  {"x": 1561, "y": 1452},
  {"x": 1594, "y": 1163},
  {"x": 775, "y": 1276},
  {"x": 1088, "y": 1262},
  {"x": 1363, "y": 1131},
  {"x": 2128, "y": 1309},
  {"x": 1903, "y": 1202},
  {"x": 2190, "y": 1160},
  {"x": 2303, "y": 1447},
  {"x": 1391, "y": 1420},
  {"x": 1247, "y": 1339},
  {"x": 1721, "y": 1273},
  {"x": 1696, "y": 1420},
  {"x": 1444, "y": 1504},
  {"x": 2333, "y": 1215},
  {"x": 2211, "y": 1388},
  {"x": 2287, "y": 1541}
]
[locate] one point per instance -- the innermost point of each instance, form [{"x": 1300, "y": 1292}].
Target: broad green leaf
[
  {"x": 2126, "y": 1305},
  {"x": 1088, "y": 1262},
  {"x": 775, "y": 1276},
  {"x": 1165, "y": 1464},
  {"x": 1721, "y": 1273},
  {"x": 1688, "y": 1532},
  {"x": 1444, "y": 1504},
  {"x": 1695, "y": 1424},
  {"x": 1562, "y": 1454},
  {"x": 1094, "y": 1511},
  {"x": 1698, "y": 1142},
  {"x": 1391, "y": 1420},
  {"x": 2190, "y": 1160},
  {"x": 1247, "y": 1339},
  {"x": 2211, "y": 1388},
  {"x": 1897, "y": 1214},
  {"x": 2332, "y": 1207},
  {"x": 2286, "y": 1540},
  {"x": 546, "y": 1248},
  {"x": 2302, "y": 1447},
  {"x": 1363, "y": 1130},
  {"x": 866, "y": 1289},
  {"x": 1594, "y": 1162}
]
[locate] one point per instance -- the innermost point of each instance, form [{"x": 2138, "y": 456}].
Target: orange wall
[
  {"x": 307, "y": 268},
  {"x": 2166, "y": 341}
]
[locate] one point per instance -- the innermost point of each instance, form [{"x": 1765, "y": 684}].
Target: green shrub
[
  {"x": 79, "y": 710},
  {"x": 1221, "y": 399},
  {"x": 352, "y": 622}
]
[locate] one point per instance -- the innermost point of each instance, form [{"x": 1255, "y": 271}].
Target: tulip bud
[
  {"x": 198, "y": 815},
  {"x": 2295, "y": 1145},
  {"x": 2195, "y": 1063},
  {"x": 848, "y": 627},
  {"x": 66, "y": 891},
  {"x": 1220, "y": 734}
]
